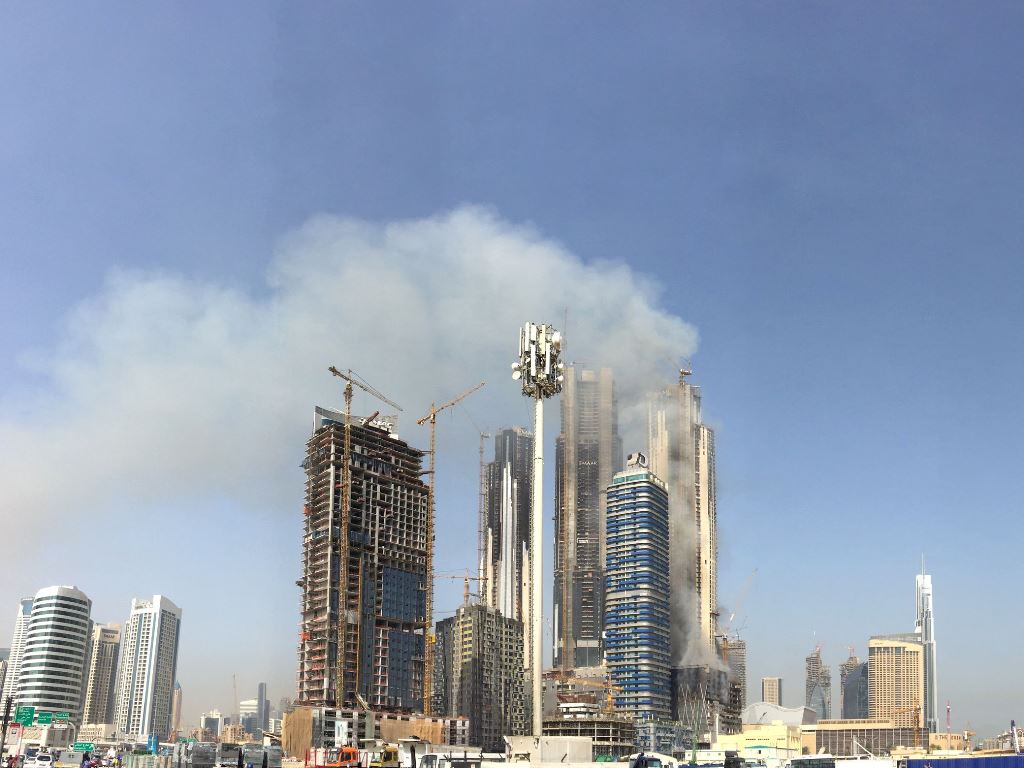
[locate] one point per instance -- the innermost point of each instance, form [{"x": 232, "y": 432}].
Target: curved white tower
[{"x": 53, "y": 665}]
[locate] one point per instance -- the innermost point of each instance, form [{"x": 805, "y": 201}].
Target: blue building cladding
[
  {"x": 405, "y": 655},
  {"x": 403, "y": 597},
  {"x": 637, "y": 628}
]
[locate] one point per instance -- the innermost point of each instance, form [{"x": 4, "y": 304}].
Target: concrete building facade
[
  {"x": 682, "y": 453},
  {"x": 56, "y": 651},
  {"x": 21, "y": 620},
  {"x": 896, "y": 679},
  {"x": 818, "y": 687},
  {"x": 147, "y": 669},
  {"x": 771, "y": 690},
  {"x": 364, "y": 578},
  {"x": 102, "y": 679},
  {"x": 737, "y": 659},
  {"x": 479, "y": 674},
  {"x": 588, "y": 452},
  {"x": 637, "y": 611}
]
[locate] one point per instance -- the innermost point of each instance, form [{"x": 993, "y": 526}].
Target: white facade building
[
  {"x": 925, "y": 627},
  {"x": 146, "y": 674},
  {"x": 56, "y": 652},
  {"x": 10, "y": 681}
]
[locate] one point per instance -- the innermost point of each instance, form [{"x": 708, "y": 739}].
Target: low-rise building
[
  {"x": 611, "y": 735},
  {"x": 851, "y": 737},
  {"x": 776, "y": 741}
]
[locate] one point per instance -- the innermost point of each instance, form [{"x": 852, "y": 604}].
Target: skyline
[{"x": 830, "y": 201}]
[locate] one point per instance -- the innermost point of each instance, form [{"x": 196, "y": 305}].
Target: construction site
[{"x": 366, "y": 547}]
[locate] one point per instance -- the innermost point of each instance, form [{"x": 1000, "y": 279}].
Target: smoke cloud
[{"x": 165, "y": 389}]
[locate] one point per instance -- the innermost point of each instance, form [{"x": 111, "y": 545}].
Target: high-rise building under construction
[
  {"x": 818, "y": 686},
  {"x": 364, "y": 568},
  {"x": 588, "y": 453},
  {"x": 682, "y": 452}
]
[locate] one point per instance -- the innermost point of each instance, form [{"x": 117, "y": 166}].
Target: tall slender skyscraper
[
  {"x": 17, "y": 648},
  {"x": 56, "y": 650},
  {"x": 588, "y": 453},
  {"x": 262, "y": 707},
  {"x": 99, "y": 692},
  {"x": 504, "y": 576},
  {"x": 682, "y": 451},
  {"x": 637, "y": 596},
  {"x": 148, "y": 669},
  {"x": 925, "y": 628}
]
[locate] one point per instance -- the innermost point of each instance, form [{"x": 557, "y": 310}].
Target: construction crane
[
  {"x": 466, "y": 579},
  {"x": 428, "y": 656},
  {"x": 481, "y": 542},
  {"x": 346, "y": 499},
  {"x": 725, "y": 632},
  {"x": 916, "y": 712},
  {"x": 605, "y": 685}
]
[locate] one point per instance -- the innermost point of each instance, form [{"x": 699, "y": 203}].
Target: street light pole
[{"x": 540, "y": 370}]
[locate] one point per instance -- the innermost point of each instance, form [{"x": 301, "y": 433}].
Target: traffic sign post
[
  {"x": 25, "y": 715},
  {"x": 83, "y": 746},
  {"x": 62, "y": 716},
  {"x": 44, "y": 718}
]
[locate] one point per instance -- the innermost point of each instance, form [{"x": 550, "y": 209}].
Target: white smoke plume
[{"x": 166, "y": 390}]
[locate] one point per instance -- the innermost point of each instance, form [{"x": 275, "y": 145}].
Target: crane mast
[{"x": 428, "y": 652}]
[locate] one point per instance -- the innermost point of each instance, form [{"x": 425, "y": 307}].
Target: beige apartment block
[
  {"x": 896, "y": 679},
  {"x": 771, "y": 690}
]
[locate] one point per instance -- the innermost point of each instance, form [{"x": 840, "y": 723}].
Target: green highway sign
[
  {"x": 82, "y": 746},
  {"x": 25, "y": 715},
  {"x": 61, "y": 715},
  {"x": 44, "y": 718}
]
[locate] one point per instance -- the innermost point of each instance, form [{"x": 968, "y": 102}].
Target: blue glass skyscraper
[{"x": 637, "y": 630}]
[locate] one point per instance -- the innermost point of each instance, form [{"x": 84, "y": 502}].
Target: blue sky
[{"x": 830, "y": 194}]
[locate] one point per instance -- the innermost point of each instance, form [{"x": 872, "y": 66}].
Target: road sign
[
  {"x": 59, "y": 725},
  {"x": 61, "y": 715},
  {"x": 44, "y": 718},
  {"x": 25, "y": 715},
  {"x": 82, "y": 746}
]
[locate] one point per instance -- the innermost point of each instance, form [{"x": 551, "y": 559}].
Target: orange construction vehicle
[{"x": 332, "y": 757}]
